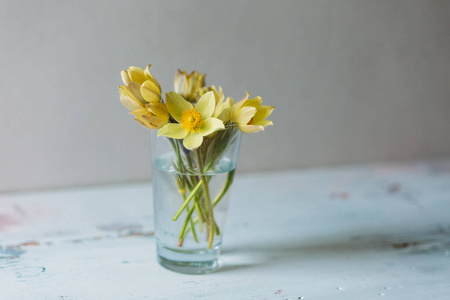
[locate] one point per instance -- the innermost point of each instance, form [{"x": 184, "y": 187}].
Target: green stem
[
  {"x": 183, "y": 229},
  {"x": 182, "y": 169},
  {"x": 199, "y": 210},
  {"x": 186, "y": 202},
  {"x": 182, "y": 191},
  {"x": 208, "y": 204},
  {"x": 183, "y": 182},
  {"x": 217, "y": 229},
  {"x": 225, "y": 188},
  {"x": 221, "y": 194},
  {"x": 194, "y": 232},
  {"x": 201, "y": 224},
  {"x": 180, "y": 160}
]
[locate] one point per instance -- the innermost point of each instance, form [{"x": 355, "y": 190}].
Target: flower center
[{"x": 191, "y": 120}]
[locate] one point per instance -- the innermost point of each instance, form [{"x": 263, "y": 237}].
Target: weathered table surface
[{"x": 360, "y": 232}]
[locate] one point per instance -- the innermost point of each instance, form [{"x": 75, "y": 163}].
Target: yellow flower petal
[
  {"x": 149, "y": 76},
  {"x": 144, "y": 117},
  {"x": 177, "y": 105},
  {"x": 255, "y": 102},
  {"x": 159, "y": 110},
  {"x": 150, "y": 92},
  {"x": 136, "y": 74},
  {"x": 237, "y": 106},
  {"x": 152, "y": 86},
  {"x": 130, "y": 103},
  {"x": 125, "y": 77},
  {"x": 223, "y": 109},
  {"x": 195, "y": 82},
  {"x": 189, "y": 86},
  {"x": 143, "y": 123},
  {"x": 135, "y": 89},
  {"x": 264, "y": 123},
  {"x": 244, "y": 115},
  {"x": 173, "y": 131},
  {"x": 218, "y": 94},
  {"x": 205, "y": 105},
  {"x": 262, "y": 113},
  {"x": 193, "y": 140},
  {"x": 155, "y": 122},
  {"x": 250, "y": 128},
  {"x": 139, "y": 112},
  {"x": 210, "y": 125},
  {"x": 180, "y": 83},
  {"x": 129, "y": 91},
  {"x": 224, "y": 115}
]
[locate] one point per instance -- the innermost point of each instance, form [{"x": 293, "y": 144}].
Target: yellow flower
[
  {"x": 193, "y": 122},
  {"x": 141, "y": 95},
  {"x": 218, "y": 94},
  {"x": 154, "y": 115},
  {"x": 222, "y": 105},
  {"x": 222, "y": 111},
  {"x": 249, "y": 115},
  {"x": 189, "y": 86},
  {"x": 140, "y": 88}
]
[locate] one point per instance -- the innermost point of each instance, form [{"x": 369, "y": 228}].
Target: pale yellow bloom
[
  {"x": 218, "y": 94},
  {"x": 154, "y": 115},
  {"x": 140, "y": 88},
  {"x": 193, "y": 122},
  {"x": 189, "y": 86},
  {"x": 222, "y": 105},
  {"x": 250, "y": 115},
  {"x": 141, "y": 94},
  {"x": 222, "y": 111}
]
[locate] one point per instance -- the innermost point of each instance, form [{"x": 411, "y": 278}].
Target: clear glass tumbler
[{"x": 190, "y": 199}]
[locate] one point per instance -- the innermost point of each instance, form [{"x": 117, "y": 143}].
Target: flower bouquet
[{"x": 195, "y": 153}]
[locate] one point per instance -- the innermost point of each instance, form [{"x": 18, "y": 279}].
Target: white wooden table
[{"x": 360, "y": 232}]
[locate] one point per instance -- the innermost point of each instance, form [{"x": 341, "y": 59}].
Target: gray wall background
[{"x": 352, "y": 81}]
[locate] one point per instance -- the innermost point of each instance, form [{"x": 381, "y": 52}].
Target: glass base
[{"x": 189, "y": 261}]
